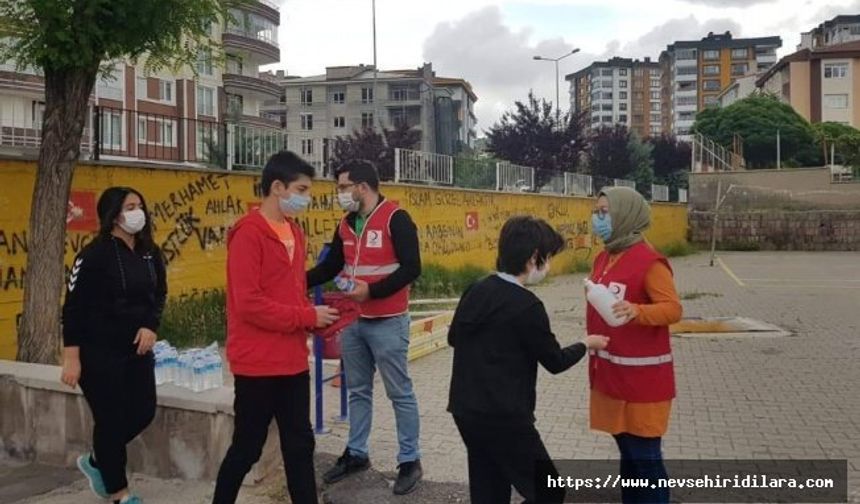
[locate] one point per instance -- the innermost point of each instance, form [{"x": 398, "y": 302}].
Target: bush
[
  {"x": 678, "y": 249},
  {"x": 439, "y": 282},
  {"x": 580, "y": 266},
  {"x": 195, "y": 321}
]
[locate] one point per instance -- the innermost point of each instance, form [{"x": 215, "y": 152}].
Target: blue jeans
[
  {"x": 367, "y": 345},
  {"x": 642, "y": 457}
]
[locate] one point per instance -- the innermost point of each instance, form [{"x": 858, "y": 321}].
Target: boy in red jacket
[{"x": 268, "y": 320}]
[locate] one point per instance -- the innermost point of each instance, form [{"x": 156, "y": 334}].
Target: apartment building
[
  {"x": 839, "y": 30},
  {"x": 619, "y": 91},
  {"x": 163, "y": 117},
  {"x": 822, "y": 85},
  {"x": 696, "y": 72},
  {"x": 349, "y": 98},
  {"x": 741, "y": 88}
]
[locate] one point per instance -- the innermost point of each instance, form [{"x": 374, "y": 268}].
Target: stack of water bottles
[{"x": 196, "y": 369}]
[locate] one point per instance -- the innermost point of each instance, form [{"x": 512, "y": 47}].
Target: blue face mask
[
  {"x": 601, "y": 225},
  {"x": 294, "y": 204}
]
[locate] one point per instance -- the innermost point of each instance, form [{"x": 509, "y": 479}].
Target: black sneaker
[
  {"x": 408, "y": 476},
  {"x": 347, "y": 464}
]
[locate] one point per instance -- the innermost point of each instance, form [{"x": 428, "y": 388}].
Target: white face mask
[
  {"x": 536, "y": 275},
  {"x": 133, "y": 221},
  {"x": 346, "y": 201}
]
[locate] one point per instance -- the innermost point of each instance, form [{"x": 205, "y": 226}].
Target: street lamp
[{"x": 557, "y": 95}]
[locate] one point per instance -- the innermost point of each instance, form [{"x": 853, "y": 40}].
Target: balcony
[
  {"x": 240, "y": 84},
  {"x": 258, "y": 43},
  {"x": 268, "y": 9}
]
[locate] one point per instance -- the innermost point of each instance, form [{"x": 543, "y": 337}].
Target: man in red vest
[{"x": 376, "y": 256}]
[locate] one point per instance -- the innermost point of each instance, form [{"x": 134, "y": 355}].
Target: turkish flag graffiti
[{"x": 81, "y": 212}]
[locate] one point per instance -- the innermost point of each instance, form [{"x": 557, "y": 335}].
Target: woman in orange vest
[{"x": 633, "y": 379}]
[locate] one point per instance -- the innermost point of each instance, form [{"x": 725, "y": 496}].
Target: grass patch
[
  {"x": 195, "y": 321},
  {"x": 439, "y": 282},
  {"x": 691, "y": 296},
  {"x": 579, "y": 266},
  {"x": 678, "y": 249},
  {"x": 739, "y": 246}
]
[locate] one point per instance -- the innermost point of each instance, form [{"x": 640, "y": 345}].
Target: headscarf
[{"x": 631, "y": 216}]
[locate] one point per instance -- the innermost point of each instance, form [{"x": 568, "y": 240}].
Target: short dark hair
[
  {"x": 360, "y": 171},
  {"x": 284, "y": 166},
  {"x": 520, "y": 238}
]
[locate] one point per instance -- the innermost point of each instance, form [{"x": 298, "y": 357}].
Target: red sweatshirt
[{"x": 268, "y": 311}]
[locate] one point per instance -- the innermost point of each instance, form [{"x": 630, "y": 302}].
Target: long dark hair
[{"x": 110, "y": 206}]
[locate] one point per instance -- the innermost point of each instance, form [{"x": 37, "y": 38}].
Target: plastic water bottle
[
  {"x": 185, "y": 372},
  {"x": 159, "y": 366},
  {"x": 171, "y": 365},
  {"x": 343, "y": 283},
  {"x": 198, "y": 377},
  {"x": 218, "y": 372},
  {"x": 603, "y": 300}
]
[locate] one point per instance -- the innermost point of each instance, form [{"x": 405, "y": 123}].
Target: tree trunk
[{"x": 66, "y": 102}]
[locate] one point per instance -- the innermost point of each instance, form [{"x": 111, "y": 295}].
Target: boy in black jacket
[{"x": 500, "y": 333}]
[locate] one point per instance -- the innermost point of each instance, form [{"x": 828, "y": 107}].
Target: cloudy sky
[{"x": 491, "y": 43}]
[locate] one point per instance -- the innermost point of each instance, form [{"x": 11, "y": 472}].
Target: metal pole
[
  {"x": 375, "y": 71},
  {"x": 557, "y": 99},
  {"x": 778, "y": 152},
  {"x": 716, "y": 219}
]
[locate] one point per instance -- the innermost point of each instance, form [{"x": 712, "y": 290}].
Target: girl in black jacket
[{"x": 113, "y": 307}]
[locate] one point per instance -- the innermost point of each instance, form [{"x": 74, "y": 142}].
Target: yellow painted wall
[{"x": 192, "y": 211}]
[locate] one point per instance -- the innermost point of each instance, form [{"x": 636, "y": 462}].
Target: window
[
  {"x": 655, "y": 118},
  {"x": 307, "y": 122},
  {"x": 682, "y": 101},
  {"x": 205, "y": 101},
  {"x": 711, "y": 85},
  {"x": 686, "y": 116},
  {"x": 655, "y": 72},
  {"x": 836, "y": 101},
  {"x": 740, "y": 53},
  {"x": 367, "y": 119},
  {"x": 111, "y": 130},
  {"x": 235, "y": 104},
  {"x": 207, "y": 141},
  {"x": 606, "y": 119},
  {"x": 404, "y": 92},
  {"x": 156, "y": 131},
  {"x": 835, "y": 70},
  {"x": 622, "y": 118},
  {"x": 595, "y": 107},
  {"x": 606, "y": 95},
  {"x": 366, "y": 95},
  {"x": 622, "y": 72},
  {"x": 204, "y": 62},
  {"x": 711, "y": 54},
  {"x": 165, "y": 90},
  {"x": 655, "y": 95},
  {"x": 711, "y": 70},
  {"x": 655, "y": 130},
  {"x": 307, "y": 96},
  {"x": 655, "y": 83},
  {"x": 307, "y": 147},
  {"x": 622, "y": 106},
  {"x": 606, "y": 72},
  {"x": 638, "y": 72},
  {"x": 606, "y": 107},
  {"x": 38, "y": 110},
  {"x": 338, "y": 97},
  {"x": 740, "y": 69},
  {"x": 655, "y": 107},
  {"x": 340, "y": 122},
  {"x": 622, "y": 84},
  {"x": 234, "y": 65},
  {"x": 685, "y": 54},
  {"x": 622, "y": 95}
]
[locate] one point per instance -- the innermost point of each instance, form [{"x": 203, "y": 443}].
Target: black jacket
[
  {"x": 500, "y": 332},
  {"x": 404, "y": 236},
  {"x": 112, "y": 293}
]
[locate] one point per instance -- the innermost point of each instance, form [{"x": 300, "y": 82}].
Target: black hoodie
[{"x": 500, "y": 332}]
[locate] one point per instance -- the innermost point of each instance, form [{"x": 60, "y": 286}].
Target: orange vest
[
  {"x": 371, "y": 257},
  {"x": 636, "y": 366}
]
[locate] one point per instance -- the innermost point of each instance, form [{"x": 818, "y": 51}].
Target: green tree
[
  {"x": 69, "y": 40},
  {"x": 842, "y": 138},
  {"x": 370, "y": 144},
  {"x": 609, "y": 153},
  {"x": 757, "y": 119},
  {"x": 642, "y": 165}
]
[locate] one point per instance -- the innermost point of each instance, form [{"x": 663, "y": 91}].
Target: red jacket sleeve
[{"x": 244, "y": 259}]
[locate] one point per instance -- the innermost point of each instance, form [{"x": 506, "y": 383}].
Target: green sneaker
[{"x": 94, "y": 476}]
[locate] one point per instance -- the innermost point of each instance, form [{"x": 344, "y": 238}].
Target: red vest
[
  {"x": 371, "y": 257},
  {"x": 636, "y": 366}
]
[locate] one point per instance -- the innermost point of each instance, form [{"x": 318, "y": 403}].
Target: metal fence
[
  {"x": 659, "y": 192},
  {"x": 21, "y": 130},
  {"x": 624, "y": 183},
  {"x": 515, "y": 178},
  {"x": 551, "y": 182},
  {"x": 682, "y": 195},
  {"x": 579, "y": 185},
  {"x": 423, "y": 167}
]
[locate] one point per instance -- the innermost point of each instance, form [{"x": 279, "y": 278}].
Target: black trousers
[
  {"x": 120, "y": 390},
  {"x": 287, "y": 399},
  {"x": 503, "y": 455}
]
